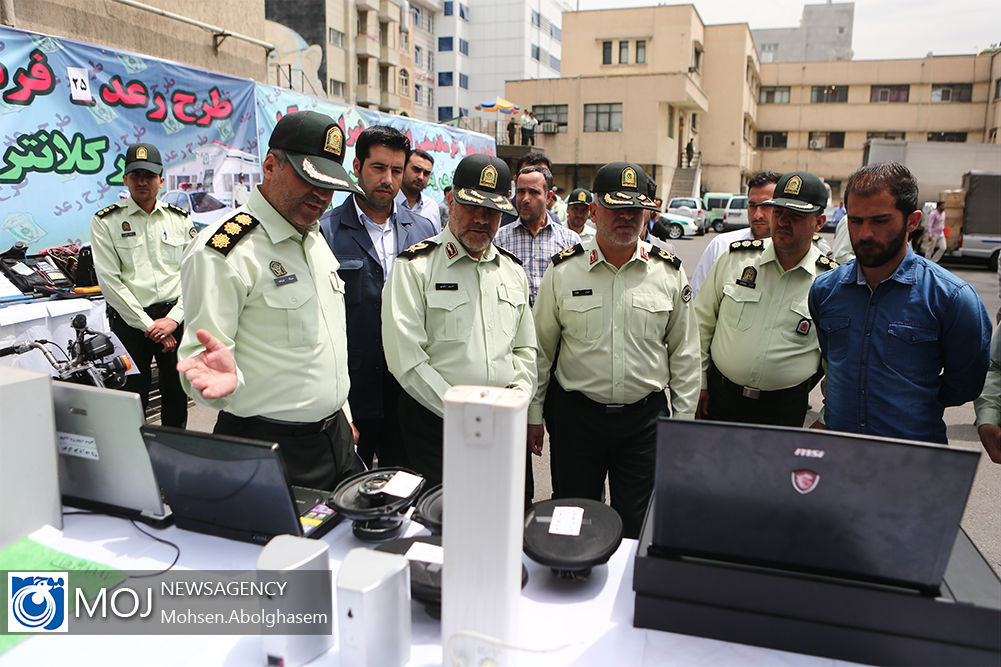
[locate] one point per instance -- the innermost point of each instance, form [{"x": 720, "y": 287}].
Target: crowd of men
[{"x": 336, "y": 332}]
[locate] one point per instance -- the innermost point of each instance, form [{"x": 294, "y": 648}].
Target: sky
[{"x": 883, "y": 28}]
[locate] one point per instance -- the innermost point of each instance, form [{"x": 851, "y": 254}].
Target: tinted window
[{"x": 204, "y": 202}]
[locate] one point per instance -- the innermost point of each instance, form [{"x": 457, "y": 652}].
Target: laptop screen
[
  {"x": 823, "y": 502},
  {"x": 222, "y": 485}
]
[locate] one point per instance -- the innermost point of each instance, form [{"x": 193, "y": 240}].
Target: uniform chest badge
[
  {"x": 803, "y": 328},
  {"x": 126, "y": 227},
  {"x": 593, "y": 257},
  {"x": 748, "y": 277},
  {"x": 277, "y": 268},
  {"x": 450, "y": 250},
  {"x": 192, "y": 232},
  {"x": 686, "y": 293}
]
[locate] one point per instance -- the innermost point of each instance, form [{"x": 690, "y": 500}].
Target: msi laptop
[
  {"x": 858, "y": 507},
  {"x": 103, "y": 464},
  {"x": 233, "y": 487}
]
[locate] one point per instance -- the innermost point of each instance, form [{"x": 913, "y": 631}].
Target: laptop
[
  {"x": 233, "y": 487},
  {"x": 103, "y": 464},
  {"x": 851, "y": 506}
]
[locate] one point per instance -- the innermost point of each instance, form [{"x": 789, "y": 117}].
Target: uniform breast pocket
[
  {"x": 582, "y": 316},
  {"x": 296, "y": 321},
  {"x": 797, "y": 325},
  {"x": 738, "y": 306},
  {"x": 913, "y": 350},
  {"x": 511, "y": 304},
  {"x": 450, "y": 316},
  {"x": 129, "y": 248},
  {"x": 172, "y": 248},
  {"x": 650, "y": 313}
]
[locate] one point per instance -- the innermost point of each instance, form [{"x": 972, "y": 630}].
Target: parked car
[
  {"x": 689, "y": 207},
  {"x": 203, "y": 207},
  {"x": 735, "y": 216},
  {"x": 671, "y": 226},
  {"x": 715, "y": 206}
]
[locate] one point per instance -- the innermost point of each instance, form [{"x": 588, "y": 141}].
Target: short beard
[{"x": 888, "y": 254}]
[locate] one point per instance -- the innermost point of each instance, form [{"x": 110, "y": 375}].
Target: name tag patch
[
  {"x": 581, "y": 292},
  {"x": 447, "y": 287},
  {"x": 286, "y": 280},
  {"x": 128, "y": 234}
]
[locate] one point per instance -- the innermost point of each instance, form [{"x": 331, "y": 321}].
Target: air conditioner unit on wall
[{"x": 816, "y": 144}]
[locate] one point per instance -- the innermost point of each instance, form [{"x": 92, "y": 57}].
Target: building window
[
  {"x": 695, "y": 122},
  {"x": 335, "y": 37},
  {"x": 444, "y": 43},
  {"x": 448, "y": 7},
  {"x": 430, "y": 101},
  {"x": 336, "y": 88},
  {"x": 415, "y": 11},
  {"x": 361, "y": 74},
  {"x": 554, "y": 63},
  {"x": 535, "y": 51},
  {"x": 444, "y": 113},
  {"x": 418, "y": 93},
  {"x": 992, "y": 136},
  {"x": 536, "y": 18},
  {"x": 951, "y": 92},
  {"x": 418, "y": 54},
  {"x": 603, "y": 117},
  {"x": 463, "y": 111},
  {"x": 431, "y": 60},
  {"x": 889, "y": 136},
  {"x": 829, "y": 94},
  {"x": 463, "y": 47},
  {"x": 697, "y": 57},
  {"x": 463, "y": 82},
  {"x": 623, "y": 52},
  {"x": 463, "y": 12},
  {"x": 889, "y": 93},
  {"x": 555, "y": 32},
  {"x": 444, "y": 79},
  {"x": 822, "y": 140},
  {"x": 606, "y": 53},
  {"x": 404, "y": 82},
  {"x": 552, "y": 113},
  {"x": 670, "y": 121},
  {"x": 958, "y": 137},
  {"x": 997, "y": 89},
  {"x": 774, "y": 95},
  {"x": 772, "y": 139},
  {"x": 640, "y": 50}
]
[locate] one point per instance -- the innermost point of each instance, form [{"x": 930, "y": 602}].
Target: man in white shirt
[
  {"x": 759, "y": 189},
  {"x": 411, "y": 196}
]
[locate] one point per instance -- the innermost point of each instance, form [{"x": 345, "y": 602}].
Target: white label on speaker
[
  {"x": 402, "y": 484},
  {"x": 427, "y": 553},
  {"x": 566, "y": 521},
  {"x": 81, "y": 446}
]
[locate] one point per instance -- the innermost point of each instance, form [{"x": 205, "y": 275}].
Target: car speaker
[
  {"x": 375, "y": 500},
  {"x": 571, "y": 535}
]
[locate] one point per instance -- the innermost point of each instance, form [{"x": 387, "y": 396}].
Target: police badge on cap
[
  {"x": 623, "y": 185},
  {"x": 314, "y": 146},
  {"x": 482, "y": 180}
]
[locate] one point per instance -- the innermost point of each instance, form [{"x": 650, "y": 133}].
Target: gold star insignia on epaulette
[
  {"x": 106, "y": 210},
  {"x": 243, "y": 219},
  {"x": 177, "y": 209},
  {"x": 231, "y": 231},
  {"x": 232, "y": 228},
  {"x": 827, "y": 262},
  {"x": 220, "y": 241},
  {"x": 747, "y": 244}
]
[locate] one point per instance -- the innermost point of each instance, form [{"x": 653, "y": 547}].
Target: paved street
[{"x": 981, "y": 518}]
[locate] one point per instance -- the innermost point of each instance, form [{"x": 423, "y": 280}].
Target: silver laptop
[{"x": 103, "y": 462}]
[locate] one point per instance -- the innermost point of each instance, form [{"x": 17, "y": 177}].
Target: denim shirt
[{"x": 898, "y": 355}]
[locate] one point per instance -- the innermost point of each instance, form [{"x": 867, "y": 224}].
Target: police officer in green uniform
[
  {"x": 760, "y": 354},
  {"x": 137, "y": 244},
  {"x": 619, "y": 311},
  {"x": 455, "y": 311},
  {"x": 267, "y": 305},
  {"x": 578, "y": 209}
]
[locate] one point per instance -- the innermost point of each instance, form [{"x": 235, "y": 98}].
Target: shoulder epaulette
[
  {"x": 670, "y": 258},
  {"x": 567, "y": 254},
  {"x": 416, "y": 249},
  {"x": 177, "y": 209},
  {"x": 231, "y": 231},
  {"x": 826, "y": 263},
  {"x": 508, "y": 253},
  {"x": 816, "y": 237},
  {"x": 747, "y": 244},
  {"x": 106, "y": 210}
]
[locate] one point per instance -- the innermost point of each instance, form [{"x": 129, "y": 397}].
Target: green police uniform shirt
[
  {"x": 137, "y": 257},
  {"x": 275, "y": 299},
  {"x": 754, "y": 320},
  {"x": 623, "y": 333},
  {"x": 450, "y": 319}
]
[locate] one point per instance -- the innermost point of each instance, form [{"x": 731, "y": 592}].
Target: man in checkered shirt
[{"x": 534, "y": 238}]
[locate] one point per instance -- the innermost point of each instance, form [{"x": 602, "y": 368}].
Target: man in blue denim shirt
[{"x": 901, "y": 338}]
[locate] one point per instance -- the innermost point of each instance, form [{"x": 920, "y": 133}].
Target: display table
[
  {"x": 583, "y": 622},
  {"x": 49, "y": 320}
]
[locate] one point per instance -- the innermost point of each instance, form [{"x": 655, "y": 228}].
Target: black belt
[
  {"x": 280, "y": 427},
  {"x": 758, "y": 394},
  {"x": 158, "y": 310},
  {"x": 614, "y": 408}
]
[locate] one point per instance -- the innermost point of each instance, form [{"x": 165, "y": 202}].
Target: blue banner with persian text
[
  {"x": 68, "y": 110},
  {"x": 447, "y": 145}
]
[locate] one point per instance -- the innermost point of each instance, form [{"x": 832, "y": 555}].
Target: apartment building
[
  {"x": 483, "y": 43},
  {"x": 824, "y": 33},
  {"x": 817, "y": 116},
  {"x": 637, "y": 85},
  {"x": 424, "y": 13}
]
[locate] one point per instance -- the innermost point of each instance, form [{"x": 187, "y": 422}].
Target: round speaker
[
  {"x": 572, "y": 556},
  {"x": 428, "y": 510},
  {"x": 425, "y": 578},
  {"x": 377, "y": 515}
]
